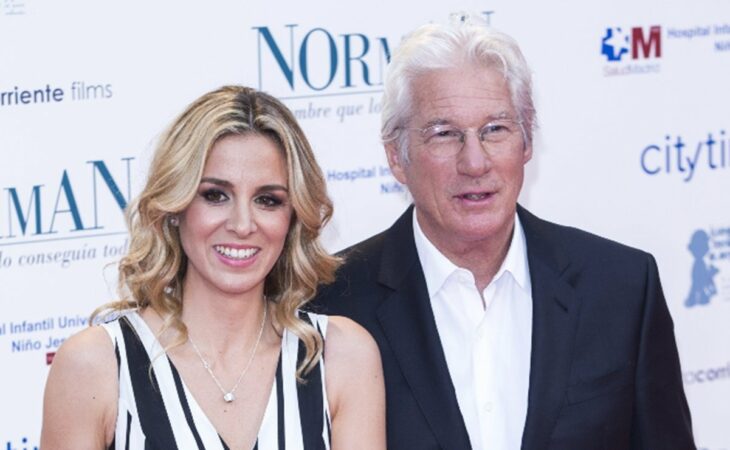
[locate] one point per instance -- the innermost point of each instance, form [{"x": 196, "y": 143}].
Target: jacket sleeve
[{"x": 661, "y": 418}]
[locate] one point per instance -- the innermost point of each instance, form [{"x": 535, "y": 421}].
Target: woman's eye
[
  {"x": 270, "y": 201},
  {"x": 214, "y": 196}
]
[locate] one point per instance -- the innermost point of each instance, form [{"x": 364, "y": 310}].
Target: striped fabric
[{"x": 158, "y": 412}]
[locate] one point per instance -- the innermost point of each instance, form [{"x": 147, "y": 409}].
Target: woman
[{"x": 210, "y": 349}]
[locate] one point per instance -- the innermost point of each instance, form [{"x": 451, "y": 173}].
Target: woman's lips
[{"x": 236, "y": 256}]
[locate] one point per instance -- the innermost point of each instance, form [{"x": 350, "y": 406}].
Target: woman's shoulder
[
  {"x": 91, "y": 351},
  {"x": 88, "y": 350},
  {"x": 344, "y": 331},
  {"x": 349, "y": 341},
  {"x": 81, "y": 391},
  {"x": 350, "y": 332},
  {"x": 346, "y": 340},
  {"x": 354, "y": 380}
]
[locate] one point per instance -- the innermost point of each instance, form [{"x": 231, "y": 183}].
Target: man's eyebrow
[
  {"x": 491, "y": 117},
  {"x": 435, "y": 122},
  {"x": 502, "y": 115}
]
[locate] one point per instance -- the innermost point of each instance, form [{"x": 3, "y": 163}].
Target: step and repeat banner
[{"x": 633, "y": 144}]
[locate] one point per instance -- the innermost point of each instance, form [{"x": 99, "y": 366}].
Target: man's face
[{"x": 469, "y": 198}]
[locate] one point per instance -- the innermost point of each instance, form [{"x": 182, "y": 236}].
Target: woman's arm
[
  {"x": 80, "y": 401},
  {"x": 355, "y": 389}
]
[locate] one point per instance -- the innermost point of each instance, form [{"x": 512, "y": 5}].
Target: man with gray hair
[{"x": 499, "y": 330}]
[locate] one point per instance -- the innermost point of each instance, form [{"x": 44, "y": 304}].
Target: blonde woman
[{"x": 210, "y": 349}]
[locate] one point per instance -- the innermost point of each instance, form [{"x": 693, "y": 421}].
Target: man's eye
[
  {"x": 214, "y": 196},
  {"x": 496, "y": 128},
  {"x": 496, "y": 131},
  {"x": 442, "y": 134}
]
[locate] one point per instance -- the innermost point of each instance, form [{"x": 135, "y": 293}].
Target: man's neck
[{"x": 482, "y": 258}]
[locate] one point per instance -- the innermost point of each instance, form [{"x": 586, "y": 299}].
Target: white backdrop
[{"x": 636, "y": 149}]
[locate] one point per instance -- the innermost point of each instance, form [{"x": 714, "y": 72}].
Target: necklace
[{"x": 229, "y": 396}]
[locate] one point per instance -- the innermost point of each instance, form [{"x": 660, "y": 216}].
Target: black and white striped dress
[{"x": 165, "y": 416}]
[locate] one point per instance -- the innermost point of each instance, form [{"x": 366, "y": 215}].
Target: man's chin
[{"x": 481, "y": 227}]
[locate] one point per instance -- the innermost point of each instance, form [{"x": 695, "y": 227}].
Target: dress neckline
[{"x": 152, "y": 345}]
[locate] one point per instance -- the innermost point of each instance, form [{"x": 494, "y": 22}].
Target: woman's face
[{"x": 234, "y": 229}]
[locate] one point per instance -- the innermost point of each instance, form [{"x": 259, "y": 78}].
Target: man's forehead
[
  {"x": 463, "y": 110},
  {"x": 461, "y": 76},
  {"x": 451, "y": 94}
]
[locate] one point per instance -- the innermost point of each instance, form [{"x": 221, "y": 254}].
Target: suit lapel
[
  {"x": 555, "y": 313},
  {"x": 408, "y": 324},
  {"x": 407, "y": 321}
]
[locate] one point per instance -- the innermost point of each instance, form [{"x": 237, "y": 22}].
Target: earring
[{"x": 173, "y": 220}]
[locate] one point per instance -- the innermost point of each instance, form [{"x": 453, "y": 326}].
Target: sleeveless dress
[{"x": 158, "y": 412}]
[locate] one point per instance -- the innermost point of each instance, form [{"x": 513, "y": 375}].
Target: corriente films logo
[
  {"x": 631, "y": 50},
  {"x": 710, "y": 272}
]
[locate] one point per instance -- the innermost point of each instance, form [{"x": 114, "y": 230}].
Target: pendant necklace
[{"x": 229, "y": 396}]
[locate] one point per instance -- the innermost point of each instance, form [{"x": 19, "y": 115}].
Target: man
[{"x": 499, "y": 330}]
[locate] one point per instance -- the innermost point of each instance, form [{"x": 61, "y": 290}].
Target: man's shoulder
[
  {"x": 361, "y": 264},
  {"x": 575, "y": 243},
  {"x": 364, "y": 252},
  {"x": 356, "y": 280},
  {"x": 388, "y": 247}
]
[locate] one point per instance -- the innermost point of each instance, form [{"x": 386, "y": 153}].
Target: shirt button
[{"x": 488, "y": 406}]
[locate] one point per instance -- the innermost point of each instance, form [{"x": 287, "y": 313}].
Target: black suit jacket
[{"x": 604, "y": 365}]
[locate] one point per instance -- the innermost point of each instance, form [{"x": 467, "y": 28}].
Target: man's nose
[{"x": 473, "y": 159}]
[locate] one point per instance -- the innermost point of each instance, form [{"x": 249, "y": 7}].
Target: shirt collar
[{"x": 437, "y": 268}]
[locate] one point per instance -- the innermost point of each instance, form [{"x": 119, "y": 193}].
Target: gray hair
[{"x": 466, "y": 40}]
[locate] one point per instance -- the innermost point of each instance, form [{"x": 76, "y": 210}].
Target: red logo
[{"x": 649, "y": 46}]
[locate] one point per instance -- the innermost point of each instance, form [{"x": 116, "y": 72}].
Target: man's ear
[
  {"x": 527, "y": 154},
  {"x": 395, "y": 162}
]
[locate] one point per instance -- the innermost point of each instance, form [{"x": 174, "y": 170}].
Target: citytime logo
[
  {"x": 34, "y": 211},
  {"x": 686, "y": 159},
  {"x": 627, "y": 49},
  {"x": 318, "y": 59}
]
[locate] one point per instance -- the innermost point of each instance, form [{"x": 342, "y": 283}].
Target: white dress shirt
[{"x": 487, "y": 344}]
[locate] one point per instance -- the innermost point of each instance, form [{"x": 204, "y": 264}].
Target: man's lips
[{"x": 474, "y": 196}]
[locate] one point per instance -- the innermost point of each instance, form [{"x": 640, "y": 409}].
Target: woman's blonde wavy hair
[{"x": 152, "y": 272}]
